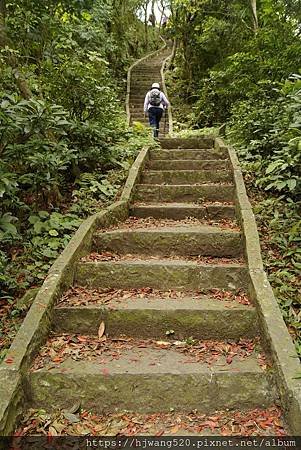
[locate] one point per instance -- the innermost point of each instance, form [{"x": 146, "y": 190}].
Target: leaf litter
[
  {"x": 255, "y": 422},
  {"x": 60, "y": 348},
  {"x": 150, "y": 222},
  {"x": 190, "y": 204},
  {"x": 111, "y": 256},
  {"x": 81, "y": 296}
]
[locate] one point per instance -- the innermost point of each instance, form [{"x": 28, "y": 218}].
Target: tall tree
[{"x": 254, "y": 13}]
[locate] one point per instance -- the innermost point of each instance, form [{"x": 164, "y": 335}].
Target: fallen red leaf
[
  {"x": 229, "y": 359},
  {"x": 9, "y": 360},
  {"x": 210, "y": 424},
  {"x": 57, "y": 359}
]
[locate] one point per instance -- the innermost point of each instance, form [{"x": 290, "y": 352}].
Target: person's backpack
[{"x": 155, "y": 97}]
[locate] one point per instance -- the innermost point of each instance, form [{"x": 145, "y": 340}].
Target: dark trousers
[{"x": 155, "y": 115}]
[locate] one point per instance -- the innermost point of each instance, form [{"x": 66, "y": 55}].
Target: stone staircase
[
  {"x": 142, "y": 77},
  {"x": 158, "y": 319},
  {"x": 158, "y": 331}
]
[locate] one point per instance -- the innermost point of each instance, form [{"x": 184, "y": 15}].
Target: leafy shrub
[{"x": 272, "y": 130}]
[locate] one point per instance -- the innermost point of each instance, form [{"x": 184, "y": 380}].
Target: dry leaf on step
[
  {"x": 52, "y": 431},
  {"x": 101, "y": 330},
  {"x": 71, "y": 417}
]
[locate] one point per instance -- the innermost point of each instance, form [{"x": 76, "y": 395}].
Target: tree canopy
[
  {"x": 63, "y": 133},
  {"x": 238, "y": 63}
]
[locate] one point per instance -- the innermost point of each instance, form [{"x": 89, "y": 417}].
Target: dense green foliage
[
  {"x": 64, "y": 144},
  {"x": 239, "y": 63}
]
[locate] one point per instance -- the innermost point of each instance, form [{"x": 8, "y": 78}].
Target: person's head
[{"x": 156, "y": 86}]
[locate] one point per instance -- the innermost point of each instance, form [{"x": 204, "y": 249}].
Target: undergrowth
[{"x": 28, "y": 249}]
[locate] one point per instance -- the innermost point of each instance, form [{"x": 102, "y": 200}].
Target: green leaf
[
  {"x": 43, "y": 214},
  {"x": 38, "y": 227},
  {"x": 271, "y": 167},
  {"x": 292, "y": 184},
  {"x": 53, "y": 233}
]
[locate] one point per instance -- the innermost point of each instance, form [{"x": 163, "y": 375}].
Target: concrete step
[
  {"x": 190, "y": 425},
  {"x": 161, "y": 274},
  {"x": 141, "y": 379},
  {"x": 150, "y": 69},
  {"x": 206, "y": 154},
  {"x": 140, "y": 119},
  {"x": 200, "y": 316},
  {"x": 171, "y": 241},
  {"x": 133, "y": 107},
  {"x": 184, "y": 193},
  {"x": 172, "y": 143},
  {"x": 150, "y": 79},
  {"x": 137, "y": 109},
  {"x": 186, "y": 176},
  {"x": 140, "y": 115},
  {"x": 138, "y": 86},
  {"x": 149, "y": 65},
  {"x": 138, "y": 98},
  {"x": 189, "y": 164},
  {"x": 180, "y": 211},
  {"x": 145, "y": 82}
]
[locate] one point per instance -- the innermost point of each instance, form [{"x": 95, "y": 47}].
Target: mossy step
[
  {"x": 138, "y": 95},
  {"x": 186, "y": 176},
  {"x": 202, "y": 142},
  {"x": 171, "y": 241},
  {"x": 139, "y": 116},
  {"x": 161, "y": 274},
  {"x": 184, "y": 193},
  {"x": 137, "y": 110},
  {"x": 207, "y": 154},
  {"x": 146, "y": 82},
  {"x": 142, "y": 83},
  {"x": 151, "y": 70},
  {"x": 145, "y": 75},
  {"x": 188, "y": 164},
  {"x": 179, "y": 211},
  {"x": 201, "y": 317},
  {"x": 192, "y": 424},
  {"x": 147, "y": 380},
  {"x": 152, "y": 65},
  {"x": 149, "y": 74}
]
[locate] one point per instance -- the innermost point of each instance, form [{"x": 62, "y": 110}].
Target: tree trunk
[
  {"x": 10, "y": 58},
  {"x": 146, "y": 25},
  {"x": 161, "y": 18},
  {"x": 254, "y": 13},
  {"x": 153, "y": 13}
]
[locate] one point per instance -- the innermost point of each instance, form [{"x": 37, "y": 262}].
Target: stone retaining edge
[
  {"x": 134, "y": 175},
  {"x": 277, "y": 338},
  {"x": 164, "y": 68},
  {"x": 37, "y": 323},
  {"x": 129, "y": 74}
]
